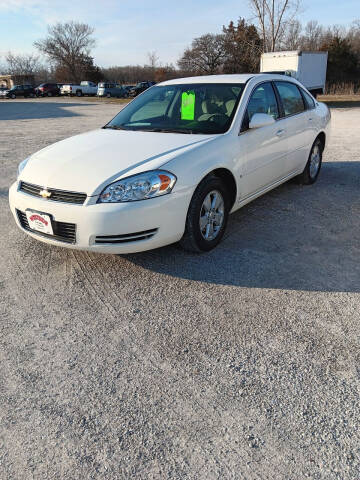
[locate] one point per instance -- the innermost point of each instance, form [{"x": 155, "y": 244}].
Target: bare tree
[
  {"x": 292, "y": 38},
  {"x": 68, "y": 45},
  {"x": 205, "y": 56},
  {"x": 26, "y": 64},
  {"x": 153, "y": 59},
  {"x": 273, "y": 18},
  {"x": 354, "y": 38},
  {"x": 313, "y": 36}
]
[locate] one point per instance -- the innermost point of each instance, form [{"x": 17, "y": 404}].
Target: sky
[{"x": 126, "y": 30}]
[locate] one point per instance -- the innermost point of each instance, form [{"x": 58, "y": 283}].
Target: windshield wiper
[
  {"x": 157, "y": 129},
  {"x": 114, "y": 127},
  {"x": 168, "y": 130}
]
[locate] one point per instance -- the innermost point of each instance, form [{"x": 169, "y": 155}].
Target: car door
[
  {"x": 311, "y": 120},
  {"x": 263, "y": 150},
  {"x": 296, "y": 124}
]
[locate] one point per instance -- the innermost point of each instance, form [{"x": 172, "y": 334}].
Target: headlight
[
  {"x": 22, "y": 165},
  {"x": 139, "y": 187}
]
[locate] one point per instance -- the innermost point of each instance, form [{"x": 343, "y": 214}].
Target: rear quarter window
[{"x": 309, "y": 101}]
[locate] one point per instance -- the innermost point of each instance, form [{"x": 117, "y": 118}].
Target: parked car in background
[
  {"x": 111, "y": 90},
  {"x": 140, "y": 87},
  {"x": 128, "y": 88},
  {"x": 47, "y": 90},
  {"x": 21, "y": 91},
  {"x": 85, "y": 88},
  {"x": 173, "y": 164},
  {"x": 3, "y": 92}
]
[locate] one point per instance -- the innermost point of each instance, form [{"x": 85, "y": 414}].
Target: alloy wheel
[
  {"x": 212, "y": 215},
  {"x": 315, "y": 161}
]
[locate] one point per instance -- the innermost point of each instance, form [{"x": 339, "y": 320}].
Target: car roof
[{"x": 230, "y": 78}]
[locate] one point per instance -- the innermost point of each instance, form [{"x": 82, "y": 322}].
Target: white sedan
[{"x": 172, "y": 165}]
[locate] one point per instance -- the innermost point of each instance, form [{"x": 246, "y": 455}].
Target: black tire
[
  {"x": 193, "y": 240},
  {"x": 308, "y": 177},
  {"x": 108, "y": 95},
  {"x": 49, "y": 94},
  {"x": 13, "y": 96},
  {"x": 79, "y": 93}
]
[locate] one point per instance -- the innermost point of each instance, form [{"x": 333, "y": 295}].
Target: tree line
[
  {"x": 235, "y": 49},
  {"x": 238, "y": 49}
]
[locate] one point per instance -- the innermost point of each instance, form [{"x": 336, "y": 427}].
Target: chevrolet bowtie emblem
[{"x": 45, "y": 193}]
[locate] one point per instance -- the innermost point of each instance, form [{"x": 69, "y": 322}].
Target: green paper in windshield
[{"x": 188, "y": 105}]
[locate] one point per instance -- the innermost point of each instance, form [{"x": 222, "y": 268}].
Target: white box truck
[{"x": 309, "y": 68}]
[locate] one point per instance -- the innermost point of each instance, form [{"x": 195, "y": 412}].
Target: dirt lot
[{"x": 238, "y": 364}]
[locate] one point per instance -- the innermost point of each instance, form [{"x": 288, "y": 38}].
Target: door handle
[
  {"x": 310, "y": 119},
  {"x": 280, "y": 133}
]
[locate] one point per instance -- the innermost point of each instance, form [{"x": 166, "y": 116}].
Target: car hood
[{"x": 88, "y": 162}]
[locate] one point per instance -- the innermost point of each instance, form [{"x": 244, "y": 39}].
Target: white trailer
[{"x": 309, "y": 68}]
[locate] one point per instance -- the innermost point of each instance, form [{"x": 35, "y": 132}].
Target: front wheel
[
  {"x": 207, "y": 216},
  {"x": 313, "y": 166}
]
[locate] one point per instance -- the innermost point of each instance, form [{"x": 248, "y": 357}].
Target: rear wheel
[
  {"x": 313, "y": 166},
  {"x": 13, "y": 96},
  {"x": 79, "y": 93},
  {"x": 207, "y": 216},
  {"x": 108, "y": 95},
  {"x": 49, "y": 94}
]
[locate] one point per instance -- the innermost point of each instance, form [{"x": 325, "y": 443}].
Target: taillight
[{"x": 70, "y": 89}]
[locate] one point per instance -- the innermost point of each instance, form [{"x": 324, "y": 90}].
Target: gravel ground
[{"x": 242, "y": 363}]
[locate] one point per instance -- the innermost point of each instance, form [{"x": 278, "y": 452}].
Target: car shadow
[
  {"x": 294, "y": 238},
  {"x": 37, "y": 109}
]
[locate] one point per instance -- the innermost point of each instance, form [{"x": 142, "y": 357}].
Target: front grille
[
  {"x": 128, "y": 237},
  {"x": 56, "y": 195},
  {"x": 63, "y": 232}
]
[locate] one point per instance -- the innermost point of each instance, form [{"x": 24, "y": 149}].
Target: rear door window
[{"x": 291, "y": 98}]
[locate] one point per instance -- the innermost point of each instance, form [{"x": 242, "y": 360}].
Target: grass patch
[
  {"x": 121, "y": 101},
  {"x": 340, "y": 101}
]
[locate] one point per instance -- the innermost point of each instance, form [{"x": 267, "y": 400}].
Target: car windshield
[{"x": 187, "y": 108}]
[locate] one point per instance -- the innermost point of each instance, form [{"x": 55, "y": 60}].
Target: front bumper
[{"x": 167, "y": 214}]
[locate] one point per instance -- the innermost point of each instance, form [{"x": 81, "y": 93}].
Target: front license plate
[{"x": 39, "y": 222}]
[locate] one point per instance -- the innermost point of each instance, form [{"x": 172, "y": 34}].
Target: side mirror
[{"x": 261, "y": 120}]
